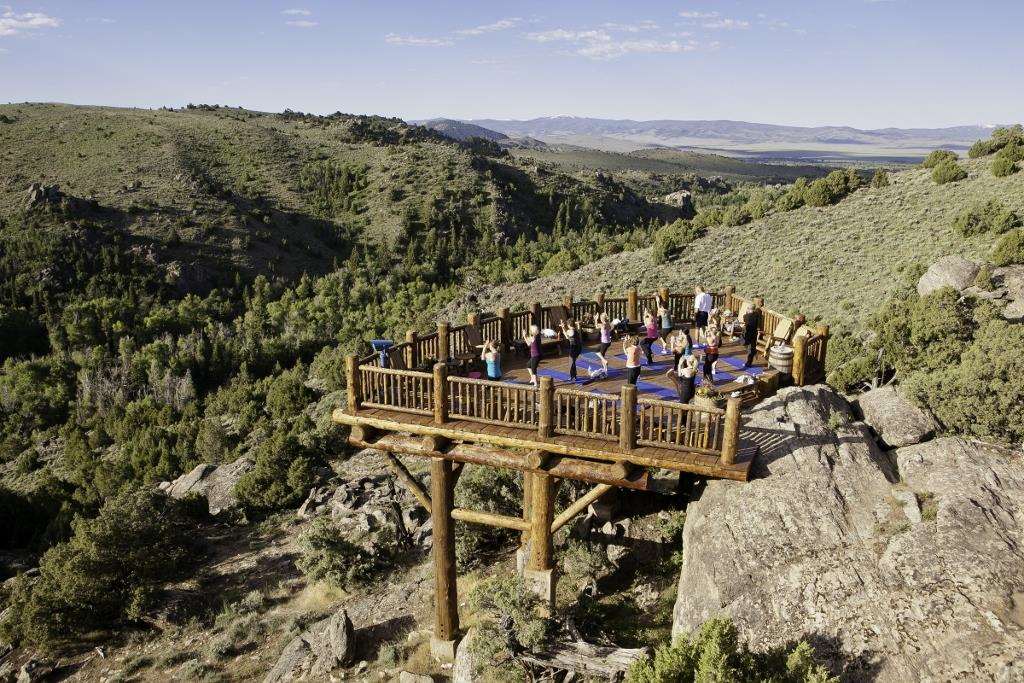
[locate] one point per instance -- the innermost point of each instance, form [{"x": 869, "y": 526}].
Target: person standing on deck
[
  {"x": 575, "y": 337},
  {"x": 492, "y": 358},
  {"x": 651, "y": 326},
  {"x": 752, "y": 321},
  {"x": 702, "y": 304},
  {"x": 532, "y": 339},
  {"x": 665, "y": 318},
  {"x": 632, "y": 352},
  {"x": 604, "y": 328},
  {"x": 714, "y": 338}
]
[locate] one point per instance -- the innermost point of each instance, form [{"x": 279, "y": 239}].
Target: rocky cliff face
[{"x": 897, "y": 566}]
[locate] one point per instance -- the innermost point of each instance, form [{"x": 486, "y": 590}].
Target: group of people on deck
[{"x": 658, "y": 327}]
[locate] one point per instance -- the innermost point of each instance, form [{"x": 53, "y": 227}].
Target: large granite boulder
[
  {"x": 891, "y": 580},
  {"x": 216, "y": 483},
  {"x": 949, "y": 271},
  {"x": 897, "y": 421},
  {"x": 323, "y": 647},
  {"x": 467, "y": 664}
]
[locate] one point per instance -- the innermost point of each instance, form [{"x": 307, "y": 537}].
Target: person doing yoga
[
  {"x": 632, "y": 351},
  {"x": 575, "y": 338},
  {"x": 532, "y": 339},
  {"x": 651, "y": 336},
  {"x": 604, "y": 329}
]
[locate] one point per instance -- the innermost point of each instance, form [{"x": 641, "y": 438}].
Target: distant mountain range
[{"x": 739, "y": 138}]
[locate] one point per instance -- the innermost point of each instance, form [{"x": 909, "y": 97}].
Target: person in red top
[{"x": 651, "y": 325}]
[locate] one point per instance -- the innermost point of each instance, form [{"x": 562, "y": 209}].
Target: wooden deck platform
[{"x": 653, "y": 382}]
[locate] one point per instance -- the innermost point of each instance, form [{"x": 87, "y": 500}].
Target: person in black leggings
[{"x": 572, "y": 332}]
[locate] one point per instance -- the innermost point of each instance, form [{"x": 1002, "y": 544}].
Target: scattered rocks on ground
[
  {"x": 363, "y": 506},
  {"x": 949, "y": 271},
  {"x": 407, "y": 677},
  {"x": 216, "y": 483},
  {"x": 897, "y": 421},
  {"x": 323, "y": 647},
  {"x": 831, "y": 548}
]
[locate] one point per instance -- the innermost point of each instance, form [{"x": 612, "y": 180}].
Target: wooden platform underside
[{"x": 580, "y": 447}]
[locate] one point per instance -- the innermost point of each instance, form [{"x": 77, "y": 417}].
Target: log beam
[
  {"x": 579, "y": 505},
  {"x": 409, "y": 480},
  {"x": 490, "y": 519}
]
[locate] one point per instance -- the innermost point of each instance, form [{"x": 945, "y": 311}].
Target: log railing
[
  {"x": 587, "y": 413},
  {"x": 403, "y": 390},
  {"x": 681, "y": 426},
  {"x": 615, "y": 308},
  {"x": 492, "y": 402},
  {"x": 552, "y": 414},
  {"x": 520, "y": 323},
  {"x": 491, "y": 328}
]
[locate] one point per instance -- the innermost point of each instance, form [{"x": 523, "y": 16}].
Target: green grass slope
[
  {"x": 223, "y": 188},
  {"x": 836, "y": 263}
]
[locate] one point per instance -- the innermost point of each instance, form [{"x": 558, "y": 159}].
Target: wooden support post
[
  {"x": 730, "y": 290},
  {"x": 473, "y": 318},
  {"x": 663, "y": 294},
  {"x": 410, "y": 481},
  {"x": 627, "y": 423},
  {"x": 631, "y": 303},
  {"x": 600, "y": 301},
  {"x": 579, "y": 505},
  {"x": 443, "y": 352},
  {"x": 440, "y": 393},
  {"x": 542, "y": 514},
  {"x": 546, "y": 398},
  {"x": 352, "y": 378},
  {"x": 446, "y": 613},
  {"x": 412, "y": 354},
  {"x": 527, "y": 505},
  {"x": 823, "y": 332},
  {"x": 567, "y": 305},
  {"x": 504, "y": 328},
  {"x": 799, "y": 358},
  {"x": 537, "y": 314},
  {"x": 731, "y": 435}
]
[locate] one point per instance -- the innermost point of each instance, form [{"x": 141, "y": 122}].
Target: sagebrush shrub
[
  {"x": 1003, "y": 166},
  {"x": 937, "y": 157},
  {"x": 880, "y": 179},
  {"x": 991, "y": 216},
  {"x": 670, "y": 240},
  {"x": 1009, "y": 249},
  {"x": 327, "y": 556},
  {"x": 948, "y": 171}
]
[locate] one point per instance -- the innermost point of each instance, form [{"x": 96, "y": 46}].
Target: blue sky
[{"x": 867, "y": 63}]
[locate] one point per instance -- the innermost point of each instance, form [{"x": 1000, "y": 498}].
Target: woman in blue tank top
[{"x": 492, "y": 358}]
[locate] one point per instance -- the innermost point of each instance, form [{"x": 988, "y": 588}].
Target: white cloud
[
  {"x": 698, "y": 15},
  {"x": 3, "y": 50},
  {"x": 645, "y": 25},
  {"x": 101, "y": 20},
  {"x": 500, "y": 25},
  {"x": 302, "y": 23},
  {"x": 600, "y": 45},
  {"x": 727, "y": 24},
  {"x": 416, "y": 41},
  {"x": 12, "y": 23},
  {"x": 295, "y": 12},
  {"x": 618, "y": 48}
]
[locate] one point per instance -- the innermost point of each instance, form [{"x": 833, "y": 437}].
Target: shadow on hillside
[
  {"x": 370, "y": 639},
  {"x": 849, "y": 668}
]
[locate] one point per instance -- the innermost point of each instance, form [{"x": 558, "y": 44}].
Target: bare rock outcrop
[
  {"x": 919, "y": 578},
  {"x": 323, "y": 647},
  {"x": 949, "y": 271},
  {"x": 216, "y": 483},
  {"x": 897, "y": 421}
]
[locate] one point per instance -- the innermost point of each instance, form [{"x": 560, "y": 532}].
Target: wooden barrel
[{"x": 781, "y": 358}]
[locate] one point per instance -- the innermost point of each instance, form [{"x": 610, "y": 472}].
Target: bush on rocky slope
[
  {"x": 713, "y": 653},
  {"x": 109, "y": 571},
  {"x": 948, "y": 171}
]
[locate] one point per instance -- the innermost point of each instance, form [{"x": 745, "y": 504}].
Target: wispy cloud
[
  {"x": 297, "y": 12},
  {"x": 417, "y": 41},
  {"x": 727, "y": 24},
  {"x": 500, "y": 25},
  {"x": 302, "y": 23},
  {"x": 601, "y": 45},
  {"x": 698, "y": 15},
  {"x": 639, "y": 26},
  {"x": 101, "y": 20},
  {"x": 13, "y": 23}
]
